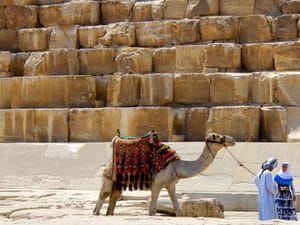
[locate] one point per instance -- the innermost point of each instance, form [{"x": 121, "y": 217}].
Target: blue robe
[{"x": 266, "y": 196}]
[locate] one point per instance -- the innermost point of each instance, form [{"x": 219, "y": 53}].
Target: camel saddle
[{"x": 136, "y": 159}]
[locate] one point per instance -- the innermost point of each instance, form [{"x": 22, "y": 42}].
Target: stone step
[{"x": 245, "y": 123}]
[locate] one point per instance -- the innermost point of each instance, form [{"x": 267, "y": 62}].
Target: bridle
[{"x": 221, "y": 142}]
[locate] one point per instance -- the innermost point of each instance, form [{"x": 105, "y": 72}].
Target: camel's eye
[{"x": 214, "y": 136}]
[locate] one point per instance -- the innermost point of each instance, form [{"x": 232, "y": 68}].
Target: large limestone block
[
  {"x": 25, "y": 2},
  {"x": 284, "y": 28},
  {"x": 8, "y": 40},
  {"x": 96, "y": 61},
  {"x": 101, "y": 90},
  {"x": 263, "y": 88},
  {"x": 291, "y": 7},
  {"x": 2, "y": 18},
  {"x": 196, "y": 119},
  {"x": 230, "y": 88},
  {"x": 101, "y": 124},
  {"x": 34, "y": 39},
  {"x": 175, "y": 9},
  {"x": 133, "y": 60},
  {"x": 51, "y": 125},
  {"x": 18, "y": 62},
  {"x": 5, "y": 62},
  {"x": 241, "y": 122},
  {"x": 70, "y": 13},
  {"x": 156, "y": 89},
  {"x": 273, "y": 123},
  {"x": 158, "y": 33},
  {"x": 223, "y": 56},
  {"x": 293, "y": 124},
  {"x": 141, "y": 11},
  {"x": 237, "y": 7},
  {"x": 164, "y": 60},
  {"x": 54, "y": 62},
  {"x": 179, "y": 123},
  {"x": 287, "y": 56},
  {"x": 88, "y": 35},
  {"x": 54, "y": 91},
  {"x": 157, "y": 10},
  {"x": 18, "y": 17},
  {"x": 16, "y": 125},
  {"x": 257, "y": 57},
  {"x": 260, "y": 30},
  {"x": 64, "y": 37},
  {"x": 4, "y": 3},
  {"x": 191, "y": 88},
  {"x": 113, "y": 11},
  {"x": 123, "y": 90},
  {"x": 224, "y": 28},
  {"x": 118, "y": 34},
  {"x": 268, "y": 7},
  {"x": 51, "y": 2},
  {"x": 287, "y": 89},
  {"x": 190, "y": 58},
  {"x": 196, "y": 8},
  {"x": 6, "y": 89}
]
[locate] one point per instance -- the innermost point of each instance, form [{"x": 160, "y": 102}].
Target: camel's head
[{"x": 220, "y": 139}]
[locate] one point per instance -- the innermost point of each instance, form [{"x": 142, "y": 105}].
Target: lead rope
[{"x": 240, "y": 163}]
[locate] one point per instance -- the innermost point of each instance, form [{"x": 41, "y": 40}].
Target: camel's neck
[{"x": 186, "y": 169}]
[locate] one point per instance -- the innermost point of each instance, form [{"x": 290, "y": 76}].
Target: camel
[{"x": 166, "y": 178}]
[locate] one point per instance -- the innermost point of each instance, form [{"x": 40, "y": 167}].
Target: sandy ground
[{"x": 69, "y": 207}]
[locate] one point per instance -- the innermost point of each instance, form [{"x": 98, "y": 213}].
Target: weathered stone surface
[
  {"x": 34, "y": 39},
  {"x": 237, "y": 7},
  {"x": 196, "y": 8},
  {"x": 18, "y": 17},
  {"x": 123, "y": 90},
  {"x": 116, "y": 11},
  {"x": 190, "y": 58},
  {"x": 54, "y": 91},
  {"x": 70, "y": 13},
  {"x": 141, "y": 11},
  {"x": 287, "y": 56},
  {"x": 230, "y": 88},
  {"x": 2, "y": 18},
  {"x": 5, "y": 92},
  {"x": 164, "y": 60},
  {"x": 260, "y": 30},
  {"x": 268, "y": 7},
  {"x": 241, "y": 122},
  {"x": 4, "y": 3},
  {"x": 51, "y": 2},
  {"x": 54, "y": 62},
  {"x": 8, "y": 40},
  {"x": 5, "y": 62},
  {"x": 64, "y": 37},
  {"x": 208, "y": 207},
  {"x": 156, "y": 89},
  {"x": 96, "y": 61},
  {"x": 257, "y": 57},
  {"x": 18, "y": 61},
  {"x": 16, "y": 125},
  {"x": 101, "y": 124},
  {"x": 263, "y": 85},
  {"x": 51, "y": 125},
  {"x": 273, "y": 123},
  {"x": 157, "y": 10},
  {"x": 287, "y": 89},
  {"x": 160, "y": 33},
  {"x": 133, "y": 60},
  {"x": 179, "y": 123},
  {"x": 88, "y": 35},
  {"x": 290, "y": 7},
  {"x": 196, "y": 119},
  {"x": 101, "y": 89},
  {"x": 223, "y": 56},
  {"x": 174, "y": 9},
  {"x": 25, "y": 2},
  {"x": 284, "y": 28},
  {"x": 118, "y": 34},
  {"x": 191, "y": 88},
  {"x": 293, "y": 124},
  {"x": 223, "y": 28}
]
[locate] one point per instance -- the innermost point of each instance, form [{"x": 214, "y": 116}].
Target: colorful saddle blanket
[{"x": 135, "y": 160}]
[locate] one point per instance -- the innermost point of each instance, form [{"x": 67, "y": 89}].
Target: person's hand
[{"x": 294, "y": 198}]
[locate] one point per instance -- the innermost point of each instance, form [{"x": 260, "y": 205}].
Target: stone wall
[{"x": 78, "y": 70}]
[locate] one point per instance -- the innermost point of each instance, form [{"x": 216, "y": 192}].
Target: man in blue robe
[{"x": 267, "y": 190}]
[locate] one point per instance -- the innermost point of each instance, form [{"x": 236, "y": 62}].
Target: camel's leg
[
  {"x": 155, "y": 190},
  {"x": 104, "y": 193},
  {"x": 114, "y": 196},
  {"x": 172, "y": 194}
]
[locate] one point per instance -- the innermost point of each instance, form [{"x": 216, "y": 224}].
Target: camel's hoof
[{"x": 95, "y": 213}]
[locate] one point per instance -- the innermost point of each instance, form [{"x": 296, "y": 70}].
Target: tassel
[
  {"x": 130, "y": 187},
  {"x": 125, "y": 177},
  {"x": 131, "y": 178},
  {"x": 136, "y": 177},
  {"x": 141, "y": 186},
  {"x": 124, "y": 187},
  {"x": 135, "y": 186}
]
